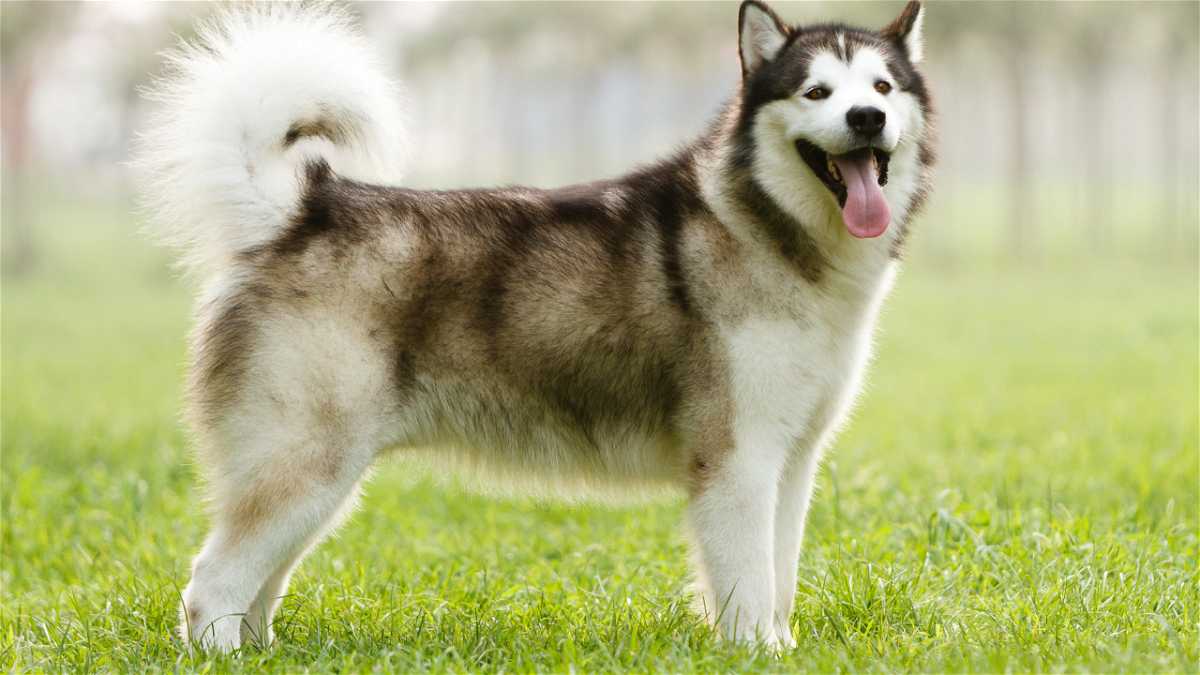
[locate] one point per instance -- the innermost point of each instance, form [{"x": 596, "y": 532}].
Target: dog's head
[{"x": 834, "y": 108}]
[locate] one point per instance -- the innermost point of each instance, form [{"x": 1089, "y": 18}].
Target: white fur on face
[
  {"x": 851, "y": 85},
  {"x": 823, "y": 122}
]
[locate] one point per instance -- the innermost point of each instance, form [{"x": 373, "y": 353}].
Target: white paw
[{"x": 222, "y": 634}]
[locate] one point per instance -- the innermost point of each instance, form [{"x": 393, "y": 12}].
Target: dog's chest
[{"x": 795, "y": 372}]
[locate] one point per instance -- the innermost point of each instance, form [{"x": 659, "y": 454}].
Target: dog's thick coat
[{"x": 701, "y": 323}]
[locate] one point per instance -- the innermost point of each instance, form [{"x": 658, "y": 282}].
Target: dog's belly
[
  {"x": 501, "y": 438},
  {"x": 561, "y": 406}
]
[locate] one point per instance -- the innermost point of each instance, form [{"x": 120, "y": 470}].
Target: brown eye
[
  {"x": 882, "y": 87},
  {"x": 816, "y": 94}
]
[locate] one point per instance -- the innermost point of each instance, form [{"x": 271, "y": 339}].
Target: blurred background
[{"x": 1068, "y": 129}]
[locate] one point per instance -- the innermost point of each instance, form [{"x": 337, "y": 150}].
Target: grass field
[{"x": 1018, "y": 492}]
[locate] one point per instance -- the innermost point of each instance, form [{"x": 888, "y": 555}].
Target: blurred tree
[
  {"x": 1169, "y": 77},
  {"x": 1017, "y": 23},
  {"x": 1011, "y": 31},
  {"x": 27, "y": 30},
  {"x": 601, "y": 32},
  {"x": 1177, "y": 61},
  {"x": 1093, "y": 48}
]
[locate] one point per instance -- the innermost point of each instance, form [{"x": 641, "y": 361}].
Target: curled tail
[{"x": 263, "y": 92}]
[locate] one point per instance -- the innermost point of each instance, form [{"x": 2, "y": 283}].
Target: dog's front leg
[
  {"x": 731, "y": 515},
  {"x": 795, "y": 492}
]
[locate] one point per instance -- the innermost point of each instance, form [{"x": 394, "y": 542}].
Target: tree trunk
[
  {"x": 1170, "y": 167},
  {"x": 1098, "y": 217},
  {"x": 17, "y": 251},
  {"x": 1022, "y": 223}
]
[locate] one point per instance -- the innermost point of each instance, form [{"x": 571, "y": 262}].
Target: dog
[{"x": 701, "y": 324}]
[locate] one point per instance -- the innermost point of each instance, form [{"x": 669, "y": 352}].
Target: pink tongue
[{"x": 866, "y": 212}]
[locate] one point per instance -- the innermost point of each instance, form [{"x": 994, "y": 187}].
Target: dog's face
[{"x": 834, "y": 108}]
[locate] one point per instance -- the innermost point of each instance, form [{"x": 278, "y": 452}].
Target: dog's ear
[
  {"x": 761, "y": 35},
  {"x": 905, "y": 31}
]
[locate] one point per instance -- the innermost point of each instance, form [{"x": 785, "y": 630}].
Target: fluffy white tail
[{"x": 262, "y": 92}]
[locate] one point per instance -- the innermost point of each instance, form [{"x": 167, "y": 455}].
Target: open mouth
[
  {"x": 856, "y": 179},
  {"x": 822, "y": 164}
]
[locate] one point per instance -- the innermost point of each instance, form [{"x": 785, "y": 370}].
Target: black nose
[{"x": 866, "y": 119}]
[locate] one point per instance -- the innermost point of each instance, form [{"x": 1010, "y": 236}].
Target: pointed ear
[
  {"x": 761, "y": 35},
  {"x": 905, "y": 31}
]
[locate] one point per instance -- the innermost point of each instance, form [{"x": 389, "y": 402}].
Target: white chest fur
[{"x": 795, "y": 378}]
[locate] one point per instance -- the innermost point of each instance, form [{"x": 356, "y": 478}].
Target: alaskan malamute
[{"x": 700, "y": 323}]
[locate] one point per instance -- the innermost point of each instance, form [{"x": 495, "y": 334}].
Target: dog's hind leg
[
  {"x": 257, "y": 625},
  {"x": 272, "y": 499}
]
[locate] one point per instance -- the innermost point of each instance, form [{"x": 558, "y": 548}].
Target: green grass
[{"x": 1018, "y": 492}]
